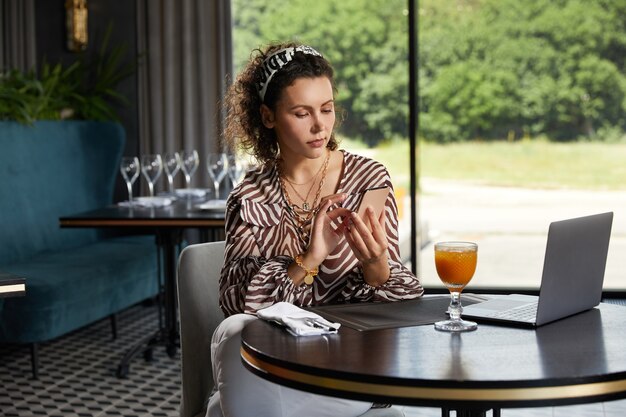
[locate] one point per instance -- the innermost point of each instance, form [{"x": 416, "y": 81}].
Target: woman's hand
[
  {"x": 327, "y": 229},
  {"x": 369, "y": 247}
]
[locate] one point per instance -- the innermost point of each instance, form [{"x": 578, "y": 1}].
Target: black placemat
[{"x": 374, "y": 316}]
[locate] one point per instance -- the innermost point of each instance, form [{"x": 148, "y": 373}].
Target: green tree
[
  {"x": 535, "y": 67},
  {"x": 488, "y": 69}
]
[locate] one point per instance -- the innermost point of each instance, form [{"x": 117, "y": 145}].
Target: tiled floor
[
  {"x": 78, "y": 379},
  {"x": 77, "y": 376}
]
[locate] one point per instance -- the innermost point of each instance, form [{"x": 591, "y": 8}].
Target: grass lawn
[{"x": 529, "y": 164}]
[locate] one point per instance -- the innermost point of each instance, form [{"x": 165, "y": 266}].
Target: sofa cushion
[{"x": 67, "y": 289}]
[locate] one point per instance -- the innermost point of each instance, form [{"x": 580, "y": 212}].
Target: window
[
  {"x": 519, "y": 126},
  {"x": 521, "y": 115}
]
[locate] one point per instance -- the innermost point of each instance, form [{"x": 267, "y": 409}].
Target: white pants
[{"x": 240, "y": 393}]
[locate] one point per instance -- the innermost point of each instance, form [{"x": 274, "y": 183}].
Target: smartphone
[{"x": 374, "y": 198}]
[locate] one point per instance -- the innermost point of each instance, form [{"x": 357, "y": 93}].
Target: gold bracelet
[{"x": 310, "y": 273}]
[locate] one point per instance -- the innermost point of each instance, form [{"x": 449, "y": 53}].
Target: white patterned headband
[{"x": 276, "y": 61}]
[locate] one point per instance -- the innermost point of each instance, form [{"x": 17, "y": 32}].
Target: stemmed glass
[
  {"x": 129, "y": 168},
  {"x": 171, "y": 164},
  {"x": 189, "y": 161},
  {"x": 236, "y": 169},
  {"x": 217, "y": 165},
  {"x": 151, "y": 166},
  {"x": 456, "y": 264}
]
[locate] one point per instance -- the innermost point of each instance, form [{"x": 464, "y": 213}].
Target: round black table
[{"x": 579, "y": 359}]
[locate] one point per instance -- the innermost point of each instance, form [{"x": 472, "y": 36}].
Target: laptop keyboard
[{"x": 526, "y": 312}]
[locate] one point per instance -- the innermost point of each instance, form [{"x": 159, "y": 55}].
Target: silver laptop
[{"x": 573, "y": 273}]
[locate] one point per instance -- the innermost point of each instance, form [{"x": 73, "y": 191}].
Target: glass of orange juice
[{"x": 456, "y": 263}]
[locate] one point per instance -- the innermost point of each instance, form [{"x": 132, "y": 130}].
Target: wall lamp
[{"x": 76, "y": 24}]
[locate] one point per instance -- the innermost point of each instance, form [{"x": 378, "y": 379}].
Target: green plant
[
  {"x": 84, "y": 90},
  {"x": 17, "y": 92}
]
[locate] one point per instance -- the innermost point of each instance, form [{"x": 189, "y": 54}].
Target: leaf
[{"x": 87, "y": 87}]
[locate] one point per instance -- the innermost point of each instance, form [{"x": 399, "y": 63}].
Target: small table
[
  {"x": 167, "y": 223},
  {"x": 576, "y": 360}
]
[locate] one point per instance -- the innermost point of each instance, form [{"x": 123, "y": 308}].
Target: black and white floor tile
[
  {"x": 78, "y": 374},
  {"x": 78, "y": 378}
]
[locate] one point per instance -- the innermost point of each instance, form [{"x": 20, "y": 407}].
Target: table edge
[
  {"x": 569, "y": 393},
  {"x": 65, "y": 222}
]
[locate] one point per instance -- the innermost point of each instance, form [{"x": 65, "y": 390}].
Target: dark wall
[{"x": 51, "y": 46}]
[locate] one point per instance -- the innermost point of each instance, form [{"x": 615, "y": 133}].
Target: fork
[{"x": 317, "y": 323}]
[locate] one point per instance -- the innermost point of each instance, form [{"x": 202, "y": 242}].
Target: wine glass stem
[
  {"x": 170, "y": 182},
  {"x": 455, "y": 305},
  {"x": 217, "y": 189},
  {"x": 129, "y": 186},
  {"x": 187, "y": 180},
  {"x": 151, "y": 187}
]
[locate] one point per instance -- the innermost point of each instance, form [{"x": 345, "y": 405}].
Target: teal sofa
[{"x": 74, "y": 277}]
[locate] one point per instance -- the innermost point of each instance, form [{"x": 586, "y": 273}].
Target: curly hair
[{"x": 244, "y": 127}]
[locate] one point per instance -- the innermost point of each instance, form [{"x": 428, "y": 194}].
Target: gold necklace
[
  {"x": 307, "y": 181},
  {"x": 301, "y": 220},
  {"x": 305, "y": 200},
  {"x": 309, "y": 215}
]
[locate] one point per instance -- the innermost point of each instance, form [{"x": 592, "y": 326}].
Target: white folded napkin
[
  {"x": 298, "y": 322},
  {"x": 191, "y": 192},
  {"x": 147, "y": 202}
]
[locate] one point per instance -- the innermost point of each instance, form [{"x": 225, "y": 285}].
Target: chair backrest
[
  {"x": 199, "y": 269},
  {"x": 49, "y": 170}
]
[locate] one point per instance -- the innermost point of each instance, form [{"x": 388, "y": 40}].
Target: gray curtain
[
  {"x": 17, "y": 35},
  {"x": 186, "y": 50}
]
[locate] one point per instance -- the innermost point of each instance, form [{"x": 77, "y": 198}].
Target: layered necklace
[{"x": 303, "y": 215}]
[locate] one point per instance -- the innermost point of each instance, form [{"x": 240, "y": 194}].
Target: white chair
[{"x": 199, "y": 268}]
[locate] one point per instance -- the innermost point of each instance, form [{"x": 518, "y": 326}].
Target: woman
[{"x": 292, "y": 231}]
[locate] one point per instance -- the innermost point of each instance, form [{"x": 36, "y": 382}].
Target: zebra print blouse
[{"x": 262, "y": 240}]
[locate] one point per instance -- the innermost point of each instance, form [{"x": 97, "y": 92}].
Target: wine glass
[
  {"x": 217, "y": 165},
  {"x": 129, "y": 168},
  {"x": 151, "y": 166},
  {"x": 171, "y": 164},
  {"x": 456, "y": 264},
  {"x": 189, "y": 161},
  {"x": 237, "y": 168}
]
